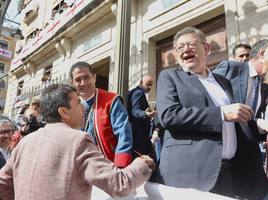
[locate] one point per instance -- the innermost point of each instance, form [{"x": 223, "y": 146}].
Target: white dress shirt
[{"x": 220, "y": 98}]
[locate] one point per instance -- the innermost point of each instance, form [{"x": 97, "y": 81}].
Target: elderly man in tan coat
[{"x": 58, "y": 162}]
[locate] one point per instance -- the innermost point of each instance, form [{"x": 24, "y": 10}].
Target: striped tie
[{"x": 255, "y": 93}]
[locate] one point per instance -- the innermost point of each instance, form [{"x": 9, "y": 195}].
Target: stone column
[{"x": 122, "y": 48}]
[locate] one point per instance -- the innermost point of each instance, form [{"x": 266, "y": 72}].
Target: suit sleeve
[
  {"x": 222, "y": 68},
  {"x": 177, "y": 118},
  {"x": 122, "y": 130},
  {"x": 101, "y": 172},
  {"x": 137, "y": 99}
]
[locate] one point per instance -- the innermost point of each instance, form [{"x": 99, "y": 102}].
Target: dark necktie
[{"x": 255, "y": 93}]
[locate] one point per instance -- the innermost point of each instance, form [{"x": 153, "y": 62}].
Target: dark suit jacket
[
  {"x": 140, "y": 122},
  {"x": 2, "y": 160},
  {"x": 192, "y": 150},
  {"x": 238, "y": 73}
]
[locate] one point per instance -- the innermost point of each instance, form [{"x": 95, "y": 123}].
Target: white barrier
[{"x": 154, "y": 191}]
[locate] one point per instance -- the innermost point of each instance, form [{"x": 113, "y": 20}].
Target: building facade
[
  {"x": 60, "y": 32},
  {"x": 7, "y": 47}
]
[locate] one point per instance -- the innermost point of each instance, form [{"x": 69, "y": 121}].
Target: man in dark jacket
[{"x": 140, "y": 116}]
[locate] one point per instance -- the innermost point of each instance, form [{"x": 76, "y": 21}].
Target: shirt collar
[
  {"x": 252, "y": 70},
  {"x": 209, "y": 77},
  {"x": 91, "y": 97}
]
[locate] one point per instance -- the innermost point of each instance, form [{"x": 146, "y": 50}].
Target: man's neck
[
  {"x": 203, "y": 72},
  {"x": 87, "y": 97}
]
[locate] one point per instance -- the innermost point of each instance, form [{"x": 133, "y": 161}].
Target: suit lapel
[
  {"x": 194, "y": 82},
  {"x": 224, "y": 87}
]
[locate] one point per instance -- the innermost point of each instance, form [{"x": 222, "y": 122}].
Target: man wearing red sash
[{"x": 106, "y": 118}]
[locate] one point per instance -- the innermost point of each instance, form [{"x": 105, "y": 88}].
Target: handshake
[
  {"x": 242, "y": 113},
  {"x": 147, "y": 159}
]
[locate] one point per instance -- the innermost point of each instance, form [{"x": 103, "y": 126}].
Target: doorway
[{"x": 101, "y": 69}]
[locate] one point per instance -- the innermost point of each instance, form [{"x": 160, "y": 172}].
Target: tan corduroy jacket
[{"x": 57, "y": 162}]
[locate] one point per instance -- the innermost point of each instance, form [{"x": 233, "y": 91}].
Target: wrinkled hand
[
  {"x": 262, "y": 125},
  {"x": 237, "y": 112},
  {"x": 149, "y": 161},
  {"x": 149, "y": 112}
]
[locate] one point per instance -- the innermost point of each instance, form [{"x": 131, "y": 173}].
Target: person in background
[
  {"x": 27, "y": 122},
  {"x": 106, "y": 118},
  {"x": 35, "y": 104},
  {"x": 204, "y": 146},
  {"x": 140, "y": 115},
  {"x": 6, "y": 132},
  {"x": 61, "y": 162},
  {"x": 241, "y": 52}
]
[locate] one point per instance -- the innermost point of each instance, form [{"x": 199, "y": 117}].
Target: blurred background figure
[
  {"x": 241, "y": 52},
  {"x": 35, "y": 104},
  {"x": 6, "y": 132},
  {"x": 140, "y": 115},
  {"x": 28, "y": 121}
]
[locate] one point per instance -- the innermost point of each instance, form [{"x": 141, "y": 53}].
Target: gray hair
[
  {"x": 187, "y": 30},
  {"x": 6, "y": 121},
  {"x": 257, "y": 47}
]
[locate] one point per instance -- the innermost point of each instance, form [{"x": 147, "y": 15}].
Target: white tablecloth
[{"x": 154, "y": 191}]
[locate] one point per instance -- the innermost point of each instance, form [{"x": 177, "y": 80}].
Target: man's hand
[
  {"x": 149, "y": 161},
  {"x": 150, "y": 113},
  {"x": 237, "y": 112},
  {"x": 155, "y": 137}
]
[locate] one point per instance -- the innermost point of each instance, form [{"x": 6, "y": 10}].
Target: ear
[
  {"x": 63, "y": 112},
  {"x": 207, "y": 47}
]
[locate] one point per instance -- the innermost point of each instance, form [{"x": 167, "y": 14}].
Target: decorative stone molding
[
  {"x": 29, "y": 68},
  {"x": 60, "y": 50},
  {"x": 114, "y": 8},
  {"x": 67, "y": 45}
]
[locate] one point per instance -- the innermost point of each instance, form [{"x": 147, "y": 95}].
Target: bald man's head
[{"x": 146, "y": 83}]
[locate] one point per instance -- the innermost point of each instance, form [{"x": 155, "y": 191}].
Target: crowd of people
[{"x": 208, "y": 131}]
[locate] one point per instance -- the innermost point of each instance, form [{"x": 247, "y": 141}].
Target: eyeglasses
[
  {"x": 190, "y": 45},
  {"x": 243, "y": 55},
  {"x": 7, "y": 131}
]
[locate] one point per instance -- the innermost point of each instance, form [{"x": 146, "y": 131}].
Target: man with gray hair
[
  {"x": 6, "y": 132},
  {"x": 204, "y": 146},
  {"x": 246, "y": 77}
]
